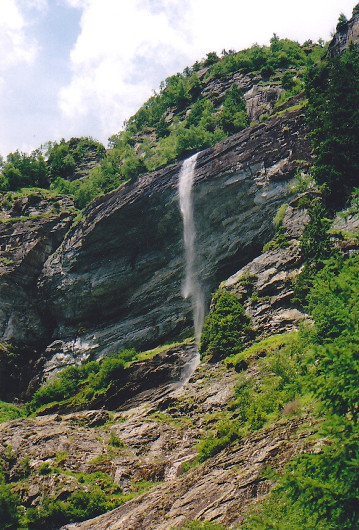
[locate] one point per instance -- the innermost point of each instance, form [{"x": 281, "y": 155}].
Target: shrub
[
  {"x": 79, "y": 385},
  {"x": 9, "y": 515},
  {"x": 342, "y": 22},
  {"x": 321, "y": 490},
  {"x": 316, "y": 246},
  {"x": 226, "y": 328}
]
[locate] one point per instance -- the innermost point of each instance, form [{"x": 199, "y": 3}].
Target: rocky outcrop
[
  {"x": 150, "y": 438},
  {"x": 117, "y": 280},
  {"x": 265, "y": 285},
  {"x": 156, "y": 376},
  {"x": 114, "y": 280},
  {"x": 221, "y": 490},
  {"x": 31, "y": 229},
  {"x": 345, "y": 34}
]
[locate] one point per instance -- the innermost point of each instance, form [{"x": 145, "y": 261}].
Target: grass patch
[
  {"x": 10, "y": 412},
  {"x": 260, "y": 349},
  {"x": 149, "y": 354}
]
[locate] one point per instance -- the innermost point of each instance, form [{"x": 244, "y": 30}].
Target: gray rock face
[
  {"x": 31, "y": 229},
  {"x": 265, "y": 285},
  {"x": 342, "y": 38},
  {"x": 116, "y": 281}
]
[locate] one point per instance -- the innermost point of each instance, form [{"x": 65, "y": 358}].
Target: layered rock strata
[{"x": 117, "y": 280}]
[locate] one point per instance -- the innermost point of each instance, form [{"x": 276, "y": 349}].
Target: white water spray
[{"x": 191, "y": 287}]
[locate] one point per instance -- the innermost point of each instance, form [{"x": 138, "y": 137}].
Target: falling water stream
[{"x": 191, "y": 286}]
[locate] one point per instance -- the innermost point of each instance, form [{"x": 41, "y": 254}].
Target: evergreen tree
[{"x": 333, "y": 117}]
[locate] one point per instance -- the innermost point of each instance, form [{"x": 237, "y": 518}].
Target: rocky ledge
[{"x": 151, "y": 438}]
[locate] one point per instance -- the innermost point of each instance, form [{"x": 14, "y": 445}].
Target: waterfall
[{"x": 192, "y": 287}]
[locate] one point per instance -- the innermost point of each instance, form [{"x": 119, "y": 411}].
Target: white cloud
[
  {"x": 39, "y": 5},
  {"x": 17, "y": 46},
  {"x": 123, "y": 51}
]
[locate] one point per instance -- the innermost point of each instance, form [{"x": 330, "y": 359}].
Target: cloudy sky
[{"x": 81, "y": 67}]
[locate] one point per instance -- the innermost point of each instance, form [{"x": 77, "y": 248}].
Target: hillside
[{"x": 109, "y": 419}]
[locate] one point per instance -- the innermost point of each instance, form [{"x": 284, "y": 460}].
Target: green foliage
[
  {"x": 9, "y": 515},
  {"x": 114, "y": 440},
  {"x": 173, "y": 123},
  {"x": 65, "y": 158},
  {"x": 342, "y": 22},
  {"x": 260, "y": 399},
  {"x": 225, "y": 433},
  {"x": 79, "y": 385},
  {"x": 281, "y": 239},
  {"x": 233, "y": 116},
  {"x": 226, "y": 328},
  {"x": 212, "y": 58},
  {"x": 287, "y": 80},
  {"x": 80, "y": 505},
  {"x": 263, "y": 348},
  {"x": 316, "y": 247},
  {"x": 62, "y": 166},
  {"x": 9, "y": 412},
  {"x": 321, "y": 490},
  {"x": 22, "y": 170},
  {"x": 334, "y": 123},
  {"x": 356, "y": 10}
]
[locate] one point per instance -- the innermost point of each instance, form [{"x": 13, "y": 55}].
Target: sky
[{"x": 82, "y": 67}]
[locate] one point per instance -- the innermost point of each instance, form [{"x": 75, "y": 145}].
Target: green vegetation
[
  {"x": 82, "y": 385},
  {"x": 260, "y": 399},
  {"x": 321, "y": 490},
  {"x": 88, "y": 384},
  {"x": 175, "y": 122},
  {"x": 226, "y": 328},
  {"x": 52, "y": 165},
  {"x": 86, "y": 495},
  {"x": 281, "y": 54},
  {"x": 9, "y": 412},
  {"x": 198, "y": 525},
  {"x": 333, "y": 119},
  {"x": 316, "y": 246},
  {"x": 281, "y": 239},
  {"x": 315, "y": 370},
  {"x": 259, "y": 349}
]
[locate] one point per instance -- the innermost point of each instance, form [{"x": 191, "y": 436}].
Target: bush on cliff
[
  {"x": 78, "y": 385},
  {"x": 226, "y": 328}
]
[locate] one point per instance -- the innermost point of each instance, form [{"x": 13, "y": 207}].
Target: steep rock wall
[
  {"x": 31, "y": 229},
  {"x": 344, "y": 36},
  {"x": 116, "y": 281}
]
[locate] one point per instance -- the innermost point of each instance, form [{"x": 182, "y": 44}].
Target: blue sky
[{"x": 81, "y": 67}]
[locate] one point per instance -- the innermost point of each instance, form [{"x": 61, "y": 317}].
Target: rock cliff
[
  {"x": 116, "y": 281},
  {"x": 347, "y": 33}
]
